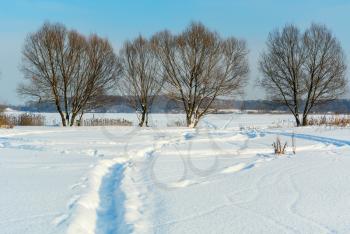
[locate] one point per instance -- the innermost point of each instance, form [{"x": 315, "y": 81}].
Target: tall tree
[
  {"x": 282, "y": 67},
  {"x": 200, "y": 66},
  {"x": 67, "y": 69},
  {"x": 40, "y": 65},
  {"x": 303, "y": 70},
  {"x": 96, "y": 76},
  {"x": 324, "y": 67},
  {"x": 142, "y": 77}
]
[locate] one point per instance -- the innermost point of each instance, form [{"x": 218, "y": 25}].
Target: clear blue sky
[{"x": 124, "y": 19}]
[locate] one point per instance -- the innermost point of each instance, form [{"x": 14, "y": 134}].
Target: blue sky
[{"x": 120, "y": 20}]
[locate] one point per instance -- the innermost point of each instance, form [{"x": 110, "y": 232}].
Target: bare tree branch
[
  {"x": 67, "y": 69},
  {"x": 199, "y": 66},
  {"x": 142, "y": 76},
  {"x": 303, "y": 71}
]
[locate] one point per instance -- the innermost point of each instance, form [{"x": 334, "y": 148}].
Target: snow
[
  {"x": 7, "y": 109},
  {"x": 218, "y": 178}
]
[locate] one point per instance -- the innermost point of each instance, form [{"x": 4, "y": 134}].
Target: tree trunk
[
  {"x": 188, "y": 120},
  {"x": 146, "y": 120},
  {"x": 63, "y": 119},
  {"x": 143, "y": 117},
  {"x": 297, "y": 120},
  {"x": 192, "y": 121},
  {"x": 67, "y": 118},
  {"x": 74, "y": 115},
  {"x": 304, "y": 120},
  {"x": 81, "y": 118}
]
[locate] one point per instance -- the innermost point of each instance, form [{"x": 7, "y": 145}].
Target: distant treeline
[{"x": 120, "y": 104}]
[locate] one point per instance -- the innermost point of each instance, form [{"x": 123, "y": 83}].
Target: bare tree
[
  {"x": 200, "y": 66},
  {"x": 324, "y": 68},
  {"x": 67, "y": 69},
  {"x": 40, "y": 65},
  {"x": 96, "y": 76},
  {"x": 303, "y": 71},
  {"x": 142, "y": 77},
  {"x": 282, "y": 68}
]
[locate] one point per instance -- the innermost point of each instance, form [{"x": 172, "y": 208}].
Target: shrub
[
  {"x": 30, "y": 120},
  {"x": 334, "y": 120},
  {"x": 177, "y": 123},
  {"x": 105, "y": 122},
  {"x": 8, "y": 121},
  {"x": 4, "y": 122},
  {"x": 278, "y": 147}
]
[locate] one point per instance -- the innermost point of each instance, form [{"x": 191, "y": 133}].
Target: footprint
[
  {"x": 74, "y": 186},
  {"x": 60, "y": 219},
  {"x": 80, "y": 184},
  {"x": 182, "y": 184},
  {"x": 72, "y": 201},
  {"x": 234, "y": 168},
  {"x": 188, "y": 135}
]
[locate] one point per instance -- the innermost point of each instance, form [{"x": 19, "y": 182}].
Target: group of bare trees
[
  {"x": 303, "y": 70},
  {"x": 68, "y": 69},
  {"x": 200, "y": 66},
  {"x": 193, "y": 67},
  {"x": 73, "y": 71},
  {"x": 142, "y": 78}
]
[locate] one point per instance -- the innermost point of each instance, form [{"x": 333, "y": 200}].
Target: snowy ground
[{"x": 219, "y": 178}]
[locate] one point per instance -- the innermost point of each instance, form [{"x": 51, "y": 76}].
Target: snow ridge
[{"x": 99, "y": 207}]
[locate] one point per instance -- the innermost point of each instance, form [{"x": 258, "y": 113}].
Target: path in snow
[
  {"x": 110, "y": 212},
  {"x": 325, "y": 140},
  {"x": 207, "y": 180}
]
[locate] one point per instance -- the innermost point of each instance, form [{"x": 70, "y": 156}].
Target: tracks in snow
[
  {"x": 325, "y": 140},
  {"x": 118, "y": 202},
  {"x": 99, "y": 207},
  {"x": 110, "y": 213}
]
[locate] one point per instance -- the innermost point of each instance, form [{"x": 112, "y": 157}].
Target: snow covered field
[{"x": 219, "y": 178}]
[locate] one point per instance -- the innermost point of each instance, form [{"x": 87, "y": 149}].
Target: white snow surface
[{"x": 221, "y": 177}]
